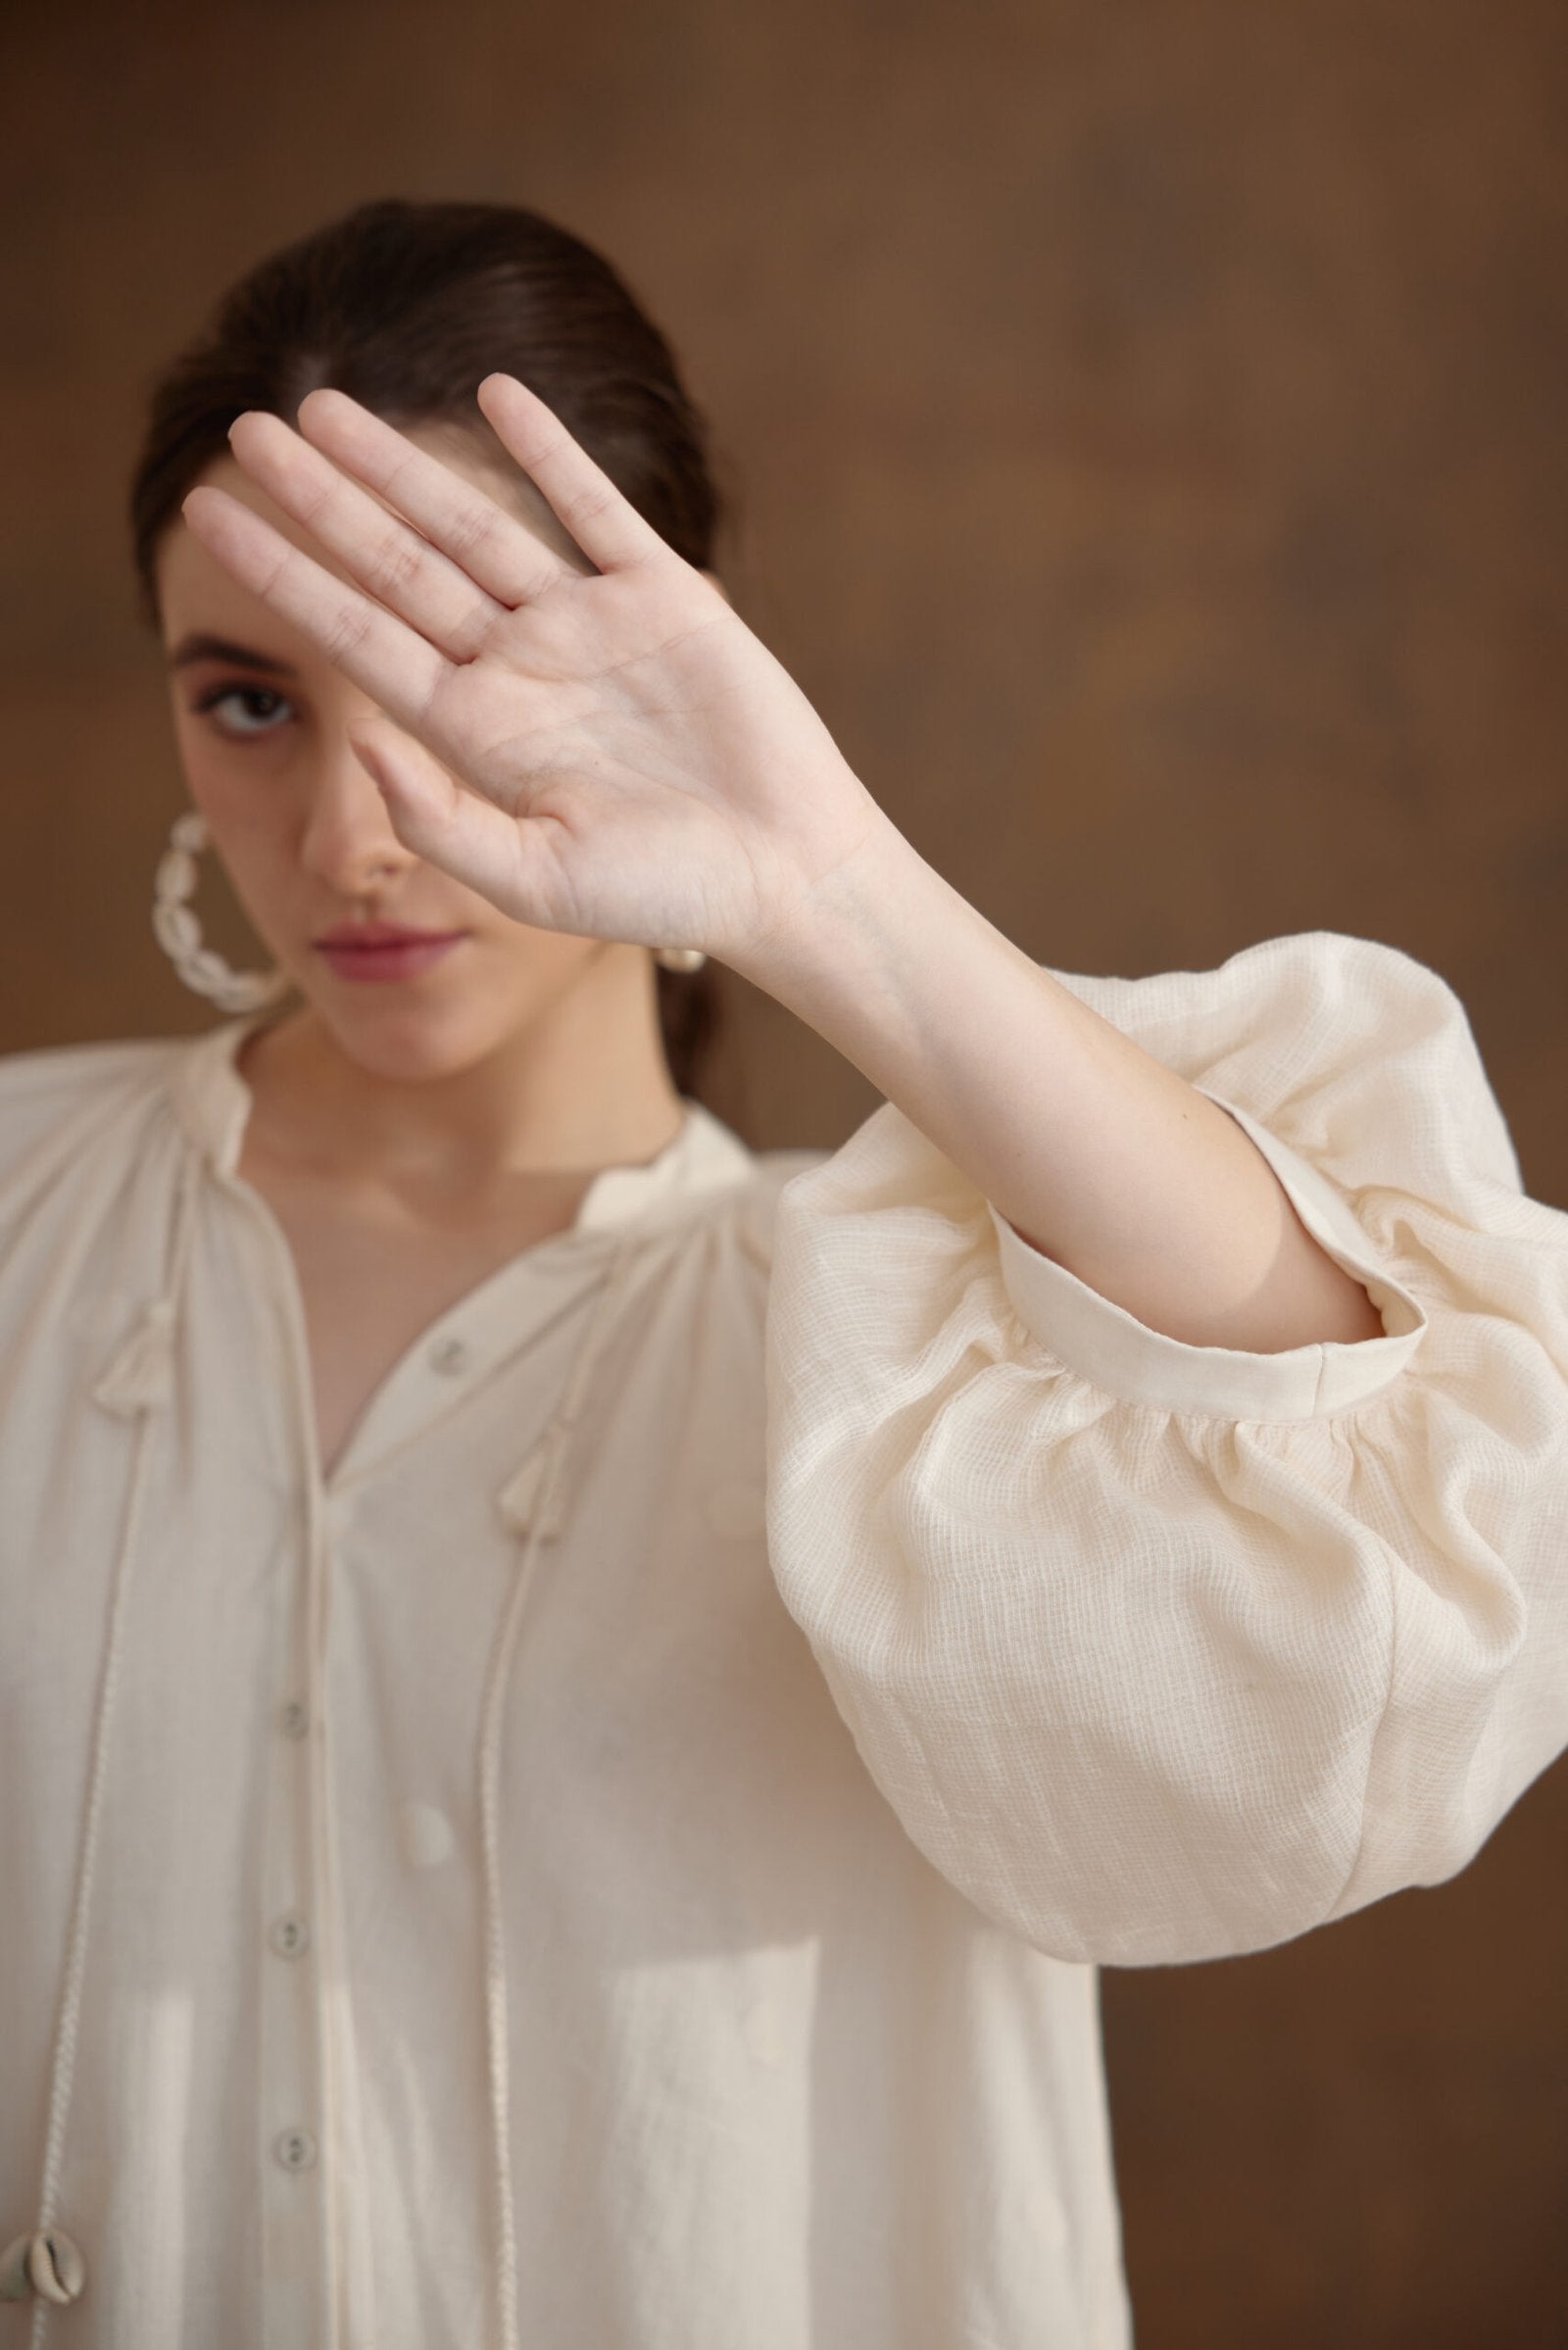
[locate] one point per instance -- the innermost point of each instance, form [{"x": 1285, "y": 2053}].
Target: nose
[{"x": 348, "y": 841}]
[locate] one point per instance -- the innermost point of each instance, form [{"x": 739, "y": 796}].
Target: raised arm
[{"x": 612, "y": 752}]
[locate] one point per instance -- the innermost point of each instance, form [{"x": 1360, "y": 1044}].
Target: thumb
[
  {"x": 378, "y": 766},
  {"x": 416, "y": 792},
  {"x": 457, "y": 830}
]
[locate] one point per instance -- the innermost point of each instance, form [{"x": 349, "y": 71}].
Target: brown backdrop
[{"x": 1149, "y": 423}]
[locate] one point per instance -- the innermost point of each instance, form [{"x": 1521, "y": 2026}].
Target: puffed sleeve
[{"x": 1162, "y": 1653}]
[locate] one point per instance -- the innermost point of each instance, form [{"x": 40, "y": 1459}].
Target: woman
[{"x": 581, "y": 1705}]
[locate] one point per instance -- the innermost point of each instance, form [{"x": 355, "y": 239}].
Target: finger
[
  {"x": 605, "y": 525},
  {"x": 396, "y": 566},
  {"x": 503, "y": 858},
  {"x": 492, "y": 547},
  {"x": 392, "y": 661}
]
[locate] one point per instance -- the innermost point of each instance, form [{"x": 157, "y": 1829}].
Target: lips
[
  {"x": 383, "y": 950},
  {"x": 382, "y": 934}
]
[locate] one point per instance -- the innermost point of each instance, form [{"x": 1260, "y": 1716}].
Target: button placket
[{"x": 294, "y": 2174}]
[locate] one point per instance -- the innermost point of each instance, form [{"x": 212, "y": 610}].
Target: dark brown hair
[{"x": 408, "y": 307}]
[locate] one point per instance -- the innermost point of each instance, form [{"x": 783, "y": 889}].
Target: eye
[{"x": 257, "y": 709}]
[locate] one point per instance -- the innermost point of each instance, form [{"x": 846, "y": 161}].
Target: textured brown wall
[{"x": 1149, "y": 420}]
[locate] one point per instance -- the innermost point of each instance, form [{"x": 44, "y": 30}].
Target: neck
[{"x": 582, "y": 1086}]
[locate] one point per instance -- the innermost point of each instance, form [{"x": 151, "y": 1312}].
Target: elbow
[{"x": 1179, "y": 1908}]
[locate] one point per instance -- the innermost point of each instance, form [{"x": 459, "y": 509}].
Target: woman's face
[{"x": 263, "y": 723}]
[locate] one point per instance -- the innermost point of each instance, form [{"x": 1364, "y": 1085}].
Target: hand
[{"x": 623, "y": 759}]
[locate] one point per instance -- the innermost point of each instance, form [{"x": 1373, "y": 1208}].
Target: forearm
[{"x": 1096, "y": 1153}]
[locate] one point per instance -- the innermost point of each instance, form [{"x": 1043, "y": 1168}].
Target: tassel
[
  {"x": 519, "y": 1500},
  {"x": 141, "y": 1375},
  {"x": 42, "y": 2265}
]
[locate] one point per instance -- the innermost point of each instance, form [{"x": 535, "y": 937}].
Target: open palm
[{"x": 614, "y": 754}]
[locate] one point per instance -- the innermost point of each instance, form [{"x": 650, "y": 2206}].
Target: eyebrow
[{"x": 219, "y": 648}]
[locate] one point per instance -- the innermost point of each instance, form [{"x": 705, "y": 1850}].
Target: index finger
[
  {"x": 599, "y": 516},
  {"x": 398, "y": 668},
  {"x": 494, "y": 549}
]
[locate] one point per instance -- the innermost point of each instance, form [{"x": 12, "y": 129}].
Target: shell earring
[
  {"x": 680, "y": 959},
  {"x": 179, "y": 933}
]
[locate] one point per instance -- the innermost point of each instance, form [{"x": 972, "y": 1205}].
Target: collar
[{"x": 212, "y": 1104}]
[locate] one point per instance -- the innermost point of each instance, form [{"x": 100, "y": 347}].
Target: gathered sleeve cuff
[
  {"x": 1163, "y": 1652},
  {"x": 1114, "y": 1351}
]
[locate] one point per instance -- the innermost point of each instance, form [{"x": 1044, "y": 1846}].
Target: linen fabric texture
[{"x": 915, "y": 1631}]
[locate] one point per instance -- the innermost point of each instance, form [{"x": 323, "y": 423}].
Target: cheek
[
  {"x": 246, "y": 797},
  {"x": 251, "y": 834}
]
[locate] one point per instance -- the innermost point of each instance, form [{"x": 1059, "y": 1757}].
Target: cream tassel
[
  {"x": 45, "y": 2264},
  {"x": 141, "y": 1375},
  {"x": 536, "y": 1480},
  {"x": 533, "y": 1504}
]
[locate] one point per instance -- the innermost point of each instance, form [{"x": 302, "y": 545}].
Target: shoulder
[
  {"x": 59, "y": 1091},
  {"x": 757, "y": 1197},
  {"x": 52, "y": 1079}
]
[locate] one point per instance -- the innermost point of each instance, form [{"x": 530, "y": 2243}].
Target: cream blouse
[{"x": 621, "y": 1863}]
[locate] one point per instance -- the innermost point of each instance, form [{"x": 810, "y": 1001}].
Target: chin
[{"x": 411, "y": 1042}]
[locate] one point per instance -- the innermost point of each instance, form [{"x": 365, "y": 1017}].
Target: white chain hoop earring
[
  {"x": 179, "y": 933},
  {"x": 680, "y": 959}
]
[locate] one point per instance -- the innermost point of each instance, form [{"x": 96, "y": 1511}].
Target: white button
[
  {"x": 294, "y": 2149},
  {"x": 738, "y": 1508},
  {"x": 425, "y": 1835},
  {"x": 448, "y": 1357},
  {"x": 290, "y": 1937},
  {"x": 293, "y": 1720}
]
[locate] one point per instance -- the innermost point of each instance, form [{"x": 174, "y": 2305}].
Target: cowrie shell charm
[
  {"x": 44, "y": 2265},
  {"x": 178, "y": 931}
]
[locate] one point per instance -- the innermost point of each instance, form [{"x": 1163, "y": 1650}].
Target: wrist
[{"x": 857, "y": 951}]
